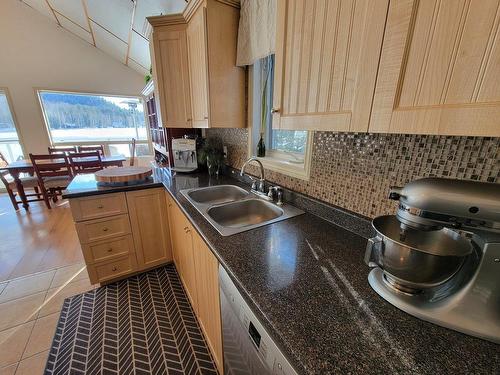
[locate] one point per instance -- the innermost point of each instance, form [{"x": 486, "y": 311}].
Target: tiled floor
[
  {"x": 36, "y": 240},
  {"x": 29, "y": 311}
]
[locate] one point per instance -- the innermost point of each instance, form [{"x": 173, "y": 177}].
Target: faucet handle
[{"x": 279, "y": 194}]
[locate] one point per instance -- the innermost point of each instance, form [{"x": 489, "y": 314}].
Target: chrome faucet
[{"x": 259, "y": 188}]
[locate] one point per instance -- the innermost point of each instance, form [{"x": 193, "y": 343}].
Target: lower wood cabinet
[
  {"x": 182, "y": 246},
  {"x": 199, "y": 271},
  {"x": 148, "y": 218},
  {"x": 206, "y": 269},
  {"x": 122, "y": 233}
]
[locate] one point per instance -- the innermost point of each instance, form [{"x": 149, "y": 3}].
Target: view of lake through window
[{"x": 74, "y": 117}]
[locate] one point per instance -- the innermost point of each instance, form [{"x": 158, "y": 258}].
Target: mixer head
[{"x": 434, "y": 203}]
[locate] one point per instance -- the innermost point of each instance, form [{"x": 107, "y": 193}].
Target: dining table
[{"x": 23, "y": 166}]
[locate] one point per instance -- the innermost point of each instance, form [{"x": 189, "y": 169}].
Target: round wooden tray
[{"x": 123, "y": 174}]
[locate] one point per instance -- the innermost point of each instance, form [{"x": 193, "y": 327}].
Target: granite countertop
[
  {"x": 306, "y": 280},
  {"x": 84, "y": 185}
]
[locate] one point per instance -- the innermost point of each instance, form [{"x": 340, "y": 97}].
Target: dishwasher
[{"x": 248, "y": 348}]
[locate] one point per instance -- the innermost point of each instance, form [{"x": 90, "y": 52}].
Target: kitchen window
[
  {"x": 10, "y": 147},
  {"x": 287, "y": 151},
  {"x": 110, "y": 120}
]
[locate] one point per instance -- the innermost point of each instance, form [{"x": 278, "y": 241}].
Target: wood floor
[{"x": 36, "y": 241}]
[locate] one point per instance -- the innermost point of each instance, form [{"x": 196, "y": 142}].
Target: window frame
[
  {"x": 277, "y": 160},
  {"x": 106, "y": 144},
  {"x": 19, "y": 139}
]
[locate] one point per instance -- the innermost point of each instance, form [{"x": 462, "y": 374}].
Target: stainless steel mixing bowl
[{"x": 414, "y": 258}]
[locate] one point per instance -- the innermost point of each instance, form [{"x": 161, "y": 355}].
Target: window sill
[{"x": 279, "y": 165}]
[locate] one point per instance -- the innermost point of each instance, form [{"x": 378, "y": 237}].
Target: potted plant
[{"x": 212, "y": 155}]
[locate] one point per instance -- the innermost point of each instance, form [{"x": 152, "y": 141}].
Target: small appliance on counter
[
  {"x": 185, "y": 158},
  {"x": 438, "y": 258}
]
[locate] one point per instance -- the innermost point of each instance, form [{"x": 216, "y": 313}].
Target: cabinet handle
[
  {"x": 100, "y": 206},
  {"x": 188, "y": 230},
  {"x": 104, "y": 229},
  {"x": 185, "y": 228},
  {"x": 114, "y": 269},
  {"x": 110, "y": 250},
  {"x": 188, "y": 120},
  {"x": 205, "y": 118},
  {"x": 275, "y": 110}
]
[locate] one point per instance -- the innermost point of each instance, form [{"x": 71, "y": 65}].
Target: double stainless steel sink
[{"x": 231, "y": 209}]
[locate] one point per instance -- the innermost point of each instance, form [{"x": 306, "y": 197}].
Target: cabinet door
[
  {"x": 207, "y": 286},
  {"x": 198, "y": 67},
  {"x": 439, "y": 69},
  {"x": 149, "y": 221},
  {"x": 169, "y": 57},
  {"x": 182, "y": 243},
  {"x": 327, "y": 55}
]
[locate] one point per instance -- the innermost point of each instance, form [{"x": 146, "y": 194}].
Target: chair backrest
[
  {"x": 85, "y": 162},
  {"x": 51, "y": 165},
  {"x": 61, "y": 150},
  {"x": 99, "y": 148},
  {"x": 4, "y": 173},
  {"x": 132, "y": 153}
]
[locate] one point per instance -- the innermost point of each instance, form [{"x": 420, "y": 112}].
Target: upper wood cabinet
[
  {"x": 194, "y": 57},
  {"x": 439, "y": 69},
  {"x": 198, "y": 67},
  {"x": 326, "y": 63},
  {"x": 168, "y": 47}
]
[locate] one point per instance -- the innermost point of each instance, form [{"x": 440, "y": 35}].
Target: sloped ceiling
[{"x": 117, "y": 27}]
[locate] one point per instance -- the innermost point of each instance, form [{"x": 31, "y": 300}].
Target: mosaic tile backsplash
[{"x": 355, "y": 170}]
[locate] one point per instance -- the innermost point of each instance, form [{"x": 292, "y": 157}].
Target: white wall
[{"x": 36, "y": 53}]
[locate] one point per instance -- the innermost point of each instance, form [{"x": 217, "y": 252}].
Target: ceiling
[{"x": 117, "y": 27}]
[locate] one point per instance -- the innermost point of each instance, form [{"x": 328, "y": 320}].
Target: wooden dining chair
[
  {"x": 85, "y": 162},
  {"x": 59, "y": 150},
  {"x": 29, "y": 182},
  {"x": 99, "y": 148},
  {"x": 54, "y": 175}
]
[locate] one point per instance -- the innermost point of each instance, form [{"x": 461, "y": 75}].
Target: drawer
[
  {"x": 108, "y": 249},
  {"x": 106, "y": 271},
  {"x": 103, "y": 229},
  {"x": 98, "y": 206}
]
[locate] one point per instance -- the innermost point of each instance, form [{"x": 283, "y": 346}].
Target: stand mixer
[{"x": 438, "y": 258}]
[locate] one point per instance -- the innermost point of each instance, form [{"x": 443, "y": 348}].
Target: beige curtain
[{"x": 257, "y": 31}]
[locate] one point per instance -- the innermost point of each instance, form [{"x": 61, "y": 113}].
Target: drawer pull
[
  {"x": 104, "y": 229},
  {"x": 110, "y": 250},
  {"x": 100, "y": 206},
  {"x": 114, "y": 269},
  {"x": 185, "y": 228}
]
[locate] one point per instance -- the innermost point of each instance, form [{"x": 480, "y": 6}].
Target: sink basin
[
  {"x": 217, "y": 194},
  {"x": 231, "y": 209},
  {"x": 244, "y": 213}
]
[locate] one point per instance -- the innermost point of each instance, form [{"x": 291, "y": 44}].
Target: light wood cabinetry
[
  {"x": 198, "y": 66},
  {"x": 168, "y": 47},
  {"x": 198, "y": 270},
  {"x": 182, "y": 244},
  {"x": 122, "y": 233},
  {"x": 326, "y": 63},
  {"x": 207, "y": 287},
  {"x": 216, "y": 86},
  {"x": 149, "y": 218},
  {"x": 439, "y": 69}
]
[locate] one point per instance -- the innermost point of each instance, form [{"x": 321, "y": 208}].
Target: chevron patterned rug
[{"x": 141, "y": 325}]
